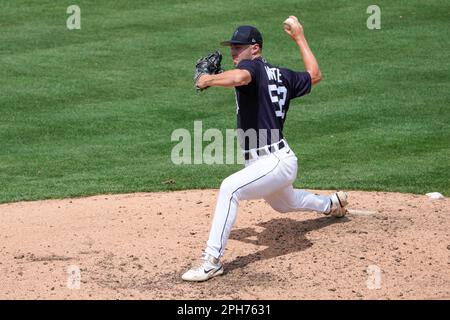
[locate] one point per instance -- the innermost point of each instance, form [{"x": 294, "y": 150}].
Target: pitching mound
[{"x": 136, "y": 246}]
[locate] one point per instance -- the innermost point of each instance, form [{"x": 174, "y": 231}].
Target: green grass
[{"x": 91, "y": 111}]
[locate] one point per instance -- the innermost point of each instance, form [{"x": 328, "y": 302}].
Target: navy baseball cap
[{"x": 245, "y": 35}]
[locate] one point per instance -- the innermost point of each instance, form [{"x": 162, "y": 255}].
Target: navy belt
[{"x": 265, "y": 151}]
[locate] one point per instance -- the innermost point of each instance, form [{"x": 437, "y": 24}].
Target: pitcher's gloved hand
[{"x": 207, "y": 65}]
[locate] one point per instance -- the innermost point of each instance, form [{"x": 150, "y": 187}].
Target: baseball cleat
[
  {"x": 338, "y": 203},
  {"x": 209, "y": 267}
]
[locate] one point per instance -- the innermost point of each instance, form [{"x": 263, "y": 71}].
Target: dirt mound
[{"x": 136, "y": 246}]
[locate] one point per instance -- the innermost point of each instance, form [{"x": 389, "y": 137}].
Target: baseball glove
[{"x": 207, "y": 65}]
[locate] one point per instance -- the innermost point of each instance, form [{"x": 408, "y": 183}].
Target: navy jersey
[{"x": 262, "y": 104}]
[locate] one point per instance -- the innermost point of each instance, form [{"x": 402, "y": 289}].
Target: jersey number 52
[{"x": 278, "y": 97}]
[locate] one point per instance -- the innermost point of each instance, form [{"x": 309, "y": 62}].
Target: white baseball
[{"x": 289, "y": 23}]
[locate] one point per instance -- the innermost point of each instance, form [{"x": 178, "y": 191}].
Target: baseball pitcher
[{"x": 263, "y": 94}]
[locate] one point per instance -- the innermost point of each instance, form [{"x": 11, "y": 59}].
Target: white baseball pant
[{"x": 269, "y": 177}]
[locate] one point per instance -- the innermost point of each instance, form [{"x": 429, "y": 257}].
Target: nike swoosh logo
[{"x": 207, "y": 271}]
